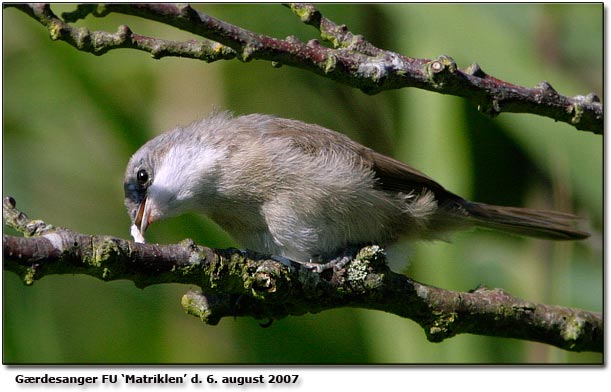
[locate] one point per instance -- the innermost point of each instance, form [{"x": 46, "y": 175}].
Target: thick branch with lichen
[
  {"x": 352, "y": 60},
  {"x": 243, "y": 283}
]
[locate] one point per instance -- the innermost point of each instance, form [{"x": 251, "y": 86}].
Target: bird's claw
[{"x": 336, "y": 264}]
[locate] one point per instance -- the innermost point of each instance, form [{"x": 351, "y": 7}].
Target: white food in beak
[{"x": 138, "y": 237}]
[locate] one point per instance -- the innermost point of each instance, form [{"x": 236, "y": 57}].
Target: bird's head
[{"x": 172, "y": 174}]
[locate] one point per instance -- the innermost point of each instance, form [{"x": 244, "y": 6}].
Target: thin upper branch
[
  {"x": 101, "y": 42},
  {"x": 352, "y": 61},
  {"x": 243, "y": 283}
]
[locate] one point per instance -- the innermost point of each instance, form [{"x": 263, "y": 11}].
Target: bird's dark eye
[{"x": 142, "y": 177}]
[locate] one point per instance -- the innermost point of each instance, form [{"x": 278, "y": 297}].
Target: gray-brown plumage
[{"x": 304, "y": 192}]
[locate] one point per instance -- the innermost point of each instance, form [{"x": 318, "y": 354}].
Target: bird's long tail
[{"x": 549, "y": 225}]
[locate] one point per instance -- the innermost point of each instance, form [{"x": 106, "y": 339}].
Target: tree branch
[
  {"x": 243, "y": 283},
  {"x": 352, "y": 60},
  {"x": 101, "y": 42}
]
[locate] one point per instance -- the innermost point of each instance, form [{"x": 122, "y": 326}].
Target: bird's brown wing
[{"x": 396, "y": 176}]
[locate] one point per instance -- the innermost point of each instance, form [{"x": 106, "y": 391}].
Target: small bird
[{"x": 300, "y": 191}]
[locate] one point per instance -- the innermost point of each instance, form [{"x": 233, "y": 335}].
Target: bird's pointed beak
[{"x": 141, "y": 222}]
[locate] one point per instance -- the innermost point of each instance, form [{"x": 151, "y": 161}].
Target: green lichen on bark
[
  {"x": 573, "y": 329},
  {"x": 307, "y": 14},
  {"x": 197, "y": 305},
  {"x": 441, "y": 326},
  {"x": 29, "y": 276},
  {"x": 365, "y": 274},
  {"x": 105, "y": 249}
]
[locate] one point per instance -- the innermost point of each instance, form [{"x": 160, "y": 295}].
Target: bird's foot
[
  {"x": 336, "y": 263},
  {"x": 315, "y": 266}
]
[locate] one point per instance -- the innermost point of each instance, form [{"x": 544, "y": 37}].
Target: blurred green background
[{"x": 71, "y": 121}]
